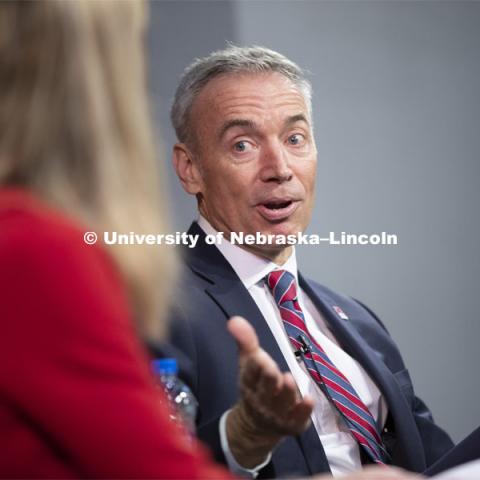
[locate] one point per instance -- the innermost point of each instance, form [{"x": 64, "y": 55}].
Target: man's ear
[{"x": 186, "y": 169}]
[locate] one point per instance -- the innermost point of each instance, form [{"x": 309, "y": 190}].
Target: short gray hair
[{"x": 232, "y": 60}]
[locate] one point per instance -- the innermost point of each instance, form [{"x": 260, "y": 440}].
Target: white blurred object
[{"x": 467, "y": 471}]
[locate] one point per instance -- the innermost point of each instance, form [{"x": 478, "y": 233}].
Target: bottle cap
[{"x": 165, "y": 366}]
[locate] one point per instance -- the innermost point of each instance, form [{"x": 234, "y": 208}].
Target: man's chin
[
  {"x": 277, "y": 253},
  {"x": 284, "y": 229}
]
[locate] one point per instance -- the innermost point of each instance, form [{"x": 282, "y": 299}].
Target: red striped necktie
[{"x": 329, "y": 379}]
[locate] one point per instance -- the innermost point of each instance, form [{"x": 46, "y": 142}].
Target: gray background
[{"x": 397, "y": 115}]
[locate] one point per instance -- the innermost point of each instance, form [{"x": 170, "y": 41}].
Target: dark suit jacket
[{"x": 211, "y": 292}]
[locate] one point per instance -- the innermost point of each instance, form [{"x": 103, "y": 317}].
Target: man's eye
[
  {"x": 241, "y": 146},
  {"x": 296, "y": 139}
]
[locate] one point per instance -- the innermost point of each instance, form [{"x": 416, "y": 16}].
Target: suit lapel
[
  {"x": 229, "y": 293},
  {"x": 355, "y": 345}
]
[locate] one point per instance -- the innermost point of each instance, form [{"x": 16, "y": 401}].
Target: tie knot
[{"x": 282, "y": 285}]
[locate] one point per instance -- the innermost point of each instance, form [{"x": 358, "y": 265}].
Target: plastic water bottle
[{"x": 183, "y": 402}]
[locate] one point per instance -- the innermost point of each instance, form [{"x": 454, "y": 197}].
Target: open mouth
[
  {"x": 277, "y": 205},
  {"x": 277, "y": 210}
]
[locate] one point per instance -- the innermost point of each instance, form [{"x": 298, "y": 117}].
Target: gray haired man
[{"x": 246, "y": 150}]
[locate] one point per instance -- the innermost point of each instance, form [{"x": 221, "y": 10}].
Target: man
[{"x": 247, "y": 152}]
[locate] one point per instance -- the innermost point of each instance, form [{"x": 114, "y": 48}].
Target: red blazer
[{"x": 76, "y": 395}]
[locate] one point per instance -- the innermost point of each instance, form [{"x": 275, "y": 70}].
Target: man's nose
[{"x": 275, "y": 164}]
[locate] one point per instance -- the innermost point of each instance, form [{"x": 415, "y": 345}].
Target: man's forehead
[{"x": 244, "y": 96}]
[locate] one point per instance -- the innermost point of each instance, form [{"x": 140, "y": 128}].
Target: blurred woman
[{"x": 76, "y": 155}]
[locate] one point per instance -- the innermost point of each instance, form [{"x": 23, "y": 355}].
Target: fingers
[
  {"x": 269, "y": 398},
  {"x": 292, "y": 410},
  {"x": 276, "y": 404},
  {"x": 257, "y": 368},
  {"x": 300, "y": 408},
  {"x": 286, "y": 395},
  {"x": 260, "y": 377},
  {"x": 244, "y": 335}
]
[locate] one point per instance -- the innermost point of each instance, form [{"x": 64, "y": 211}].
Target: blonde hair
[{"x": 75, "y": 128}]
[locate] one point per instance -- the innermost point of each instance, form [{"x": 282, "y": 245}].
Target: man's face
[{"x": 256, "y": 156}]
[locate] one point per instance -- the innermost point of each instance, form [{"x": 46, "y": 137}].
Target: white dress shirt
[{"x": 341, "y": 449}]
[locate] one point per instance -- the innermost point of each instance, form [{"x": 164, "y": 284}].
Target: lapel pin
[{"x": 340, "y": 312}]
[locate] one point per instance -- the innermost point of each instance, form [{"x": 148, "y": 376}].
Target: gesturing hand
[{"x": 270, "y": 406}]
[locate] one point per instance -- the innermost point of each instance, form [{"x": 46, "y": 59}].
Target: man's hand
[{"x": 270, "y": 406}]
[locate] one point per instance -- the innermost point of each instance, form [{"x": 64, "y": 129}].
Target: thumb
[{"x": 244, "y": 335}]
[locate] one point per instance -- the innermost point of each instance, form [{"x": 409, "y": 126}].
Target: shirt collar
[{"x": 249, "y": 267}]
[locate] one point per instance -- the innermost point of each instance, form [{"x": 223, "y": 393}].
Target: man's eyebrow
[
  {"x": 236, "y": 122},
  {"x": 243, "y": 122},
  {"x": 300, "y": 117}
]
